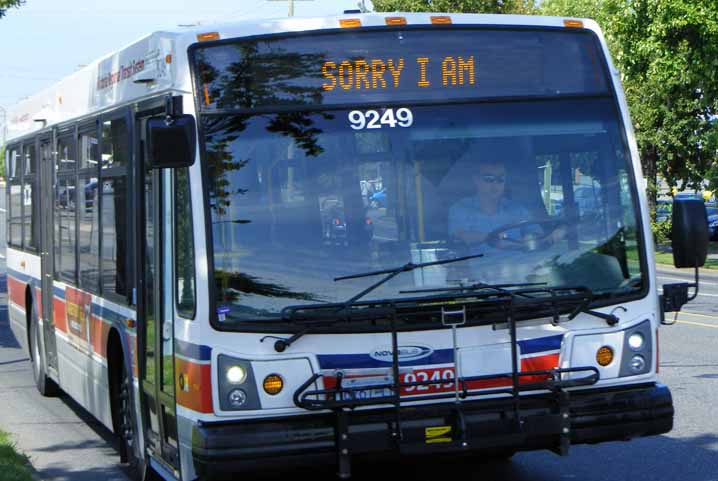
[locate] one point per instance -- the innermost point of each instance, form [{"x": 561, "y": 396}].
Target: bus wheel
[
  {"x": 127, "y": 428},
  {"x": 45, "y": 385}
]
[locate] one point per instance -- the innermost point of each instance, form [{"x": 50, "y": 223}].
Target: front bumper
[{"x": 594, "y": 415}]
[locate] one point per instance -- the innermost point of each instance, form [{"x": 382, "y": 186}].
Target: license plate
[{"x": 368, "y": 388}]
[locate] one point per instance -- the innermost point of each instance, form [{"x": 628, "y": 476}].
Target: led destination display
[{"x": 396, "y": 66}]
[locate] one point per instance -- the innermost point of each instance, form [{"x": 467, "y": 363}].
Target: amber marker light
[
  {"x": 273, "y": 384},
  {"x": 205, "y": 37},
  {"x": 349, "y": 23},
  {"x": 573, "y": 23},
  {"x": 168, "y": 58},
  {"x": 441, "y": 20},
  {"x": 604, "y": 356},
  {"x": 395, "y": 20}
]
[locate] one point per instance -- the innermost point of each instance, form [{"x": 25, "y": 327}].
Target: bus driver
[{"x": 472, "y": 218}]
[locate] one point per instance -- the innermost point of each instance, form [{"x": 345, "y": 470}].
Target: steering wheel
[{"x": 501, "y": 239}]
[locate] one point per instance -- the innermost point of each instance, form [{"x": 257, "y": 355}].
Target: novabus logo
[{"x": 406, "y": 353}]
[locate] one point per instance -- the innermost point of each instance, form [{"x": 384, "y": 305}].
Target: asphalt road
[{"x": 65, "y": 443}]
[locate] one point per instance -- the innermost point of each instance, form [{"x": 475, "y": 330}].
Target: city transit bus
[{"x": 308, "y": 240}]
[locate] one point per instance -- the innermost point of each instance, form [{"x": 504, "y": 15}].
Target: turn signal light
[
  {"x": 204, "y": 37},
  {"x": 349, "y": 23},
  {"x": 604, "y": 356},
  {"x": 273, "y": 384},
  {"x": 573, "y": 23}
]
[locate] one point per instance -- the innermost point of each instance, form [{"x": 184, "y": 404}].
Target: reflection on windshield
[{"x": 297, "y": 199}]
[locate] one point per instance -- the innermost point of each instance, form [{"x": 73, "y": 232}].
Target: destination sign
[{"x": 397, "y": 67}]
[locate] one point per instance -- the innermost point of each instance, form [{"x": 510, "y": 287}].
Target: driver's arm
[{"x": 459, "y": 223}]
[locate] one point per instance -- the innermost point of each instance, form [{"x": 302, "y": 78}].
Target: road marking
[
  {"x": 2, "y": 210},
  {"x": 701, "y": 324},
  {"x": 711, "y": 316},
  {"x": 702, "y": 294},
  {"x": 687, "y": 280},
  {"x": 2, "y": 256}
]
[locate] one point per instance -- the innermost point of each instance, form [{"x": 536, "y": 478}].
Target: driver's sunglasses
[{"x": 493, "y": 179}]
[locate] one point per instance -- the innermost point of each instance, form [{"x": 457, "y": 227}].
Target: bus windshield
[{"x": 538, "y": 182}]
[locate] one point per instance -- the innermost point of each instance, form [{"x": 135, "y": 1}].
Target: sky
[{"x": 46, "y": 40}]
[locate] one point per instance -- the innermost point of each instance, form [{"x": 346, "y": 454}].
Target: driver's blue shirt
[{"x": 465, "y": 215}]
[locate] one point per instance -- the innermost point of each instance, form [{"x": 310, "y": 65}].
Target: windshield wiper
[
  {"x": 395, "y": 272},
  {"x": 342, "y": 310},
  {"x": 478, "y": 286}
]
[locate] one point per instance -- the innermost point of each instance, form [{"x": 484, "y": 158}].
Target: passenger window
[
  {"x": 66, "y": 212},
  {"x": 31, "y": 205},
  {"x": 14, "y": 215},
  {"x": 89, "y": 213},
  {"x": 115, "y": 143}
]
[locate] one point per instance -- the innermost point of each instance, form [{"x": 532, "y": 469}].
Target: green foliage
[
  {"x": 667, "y": 53},
  {"x": 5, "y": 4},
  {"x": 13, "y": 466},
  {"x": 458, "y": 6},
  {"x": 661, "y": 230}
]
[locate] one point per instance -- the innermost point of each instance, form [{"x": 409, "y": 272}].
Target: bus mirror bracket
[{"x": 171, "y": 141}]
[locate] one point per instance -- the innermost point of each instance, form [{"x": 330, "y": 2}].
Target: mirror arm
[
  {"x": 695, "y": 285},
  {"x": 169, "y": 109}
]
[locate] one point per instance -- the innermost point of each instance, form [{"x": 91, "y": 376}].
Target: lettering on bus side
[{"x": 378, "y": 74}]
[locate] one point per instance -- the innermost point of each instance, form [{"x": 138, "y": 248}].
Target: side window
[
  {"x": 14, "y": 215},
  {"x": 185, "y": 289},
  {"x": 66, "y": 211},
  {"x": 30, "y": 200},
  {"x": 88, "y": 237},
  {"x": 115, "y": 150}
]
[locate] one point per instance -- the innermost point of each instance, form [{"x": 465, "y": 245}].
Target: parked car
[{"x": 664, "y": 210}]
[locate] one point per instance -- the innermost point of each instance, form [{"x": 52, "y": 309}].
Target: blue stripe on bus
[
  {"x": 107, "y": 314},
  {"x": 541, "y": 344},
  {"x": 59, "y": 293},
  {"x": 23, "y": 277},
  {"x": 193, "y": 351},
  {"x": 440, "y": 356}
]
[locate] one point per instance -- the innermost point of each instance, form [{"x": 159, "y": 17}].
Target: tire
[
  {"x": 137, "y": 468},
  {"x": 46, "y": 386}
]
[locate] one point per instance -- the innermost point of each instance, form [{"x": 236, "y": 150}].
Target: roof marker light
[
  {"x": 573, "y": 23},
  {"x": 205, "y": 37},
  {"x": 441, "y": 20},
  {"x": 395, "y": 20},
  {"x": 349, "y": 22}
]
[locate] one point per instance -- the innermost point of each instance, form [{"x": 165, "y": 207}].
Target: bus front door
[
  {"x": 155, "y": 315},
  {"x": 47, "y": 178}
]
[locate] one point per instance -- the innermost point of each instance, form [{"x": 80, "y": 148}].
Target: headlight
[
  {"x": 635, "y": 341},
  {"x": 638, "y": 364},
  {"x": 236, "y": 375},
  {"x": 637, "y": 357},
  {"x": 237, "y": 388}
]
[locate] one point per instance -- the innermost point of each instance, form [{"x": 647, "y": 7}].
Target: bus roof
[{"x": 158, "y": 62}]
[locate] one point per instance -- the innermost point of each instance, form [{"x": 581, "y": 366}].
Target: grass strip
[{"x": 13, "y": 465}]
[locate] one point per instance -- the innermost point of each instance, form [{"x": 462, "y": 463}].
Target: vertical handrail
[{"x": 514, "y": 361}]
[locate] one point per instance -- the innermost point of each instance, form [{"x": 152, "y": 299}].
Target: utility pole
[{"x": 291, "y": 5}]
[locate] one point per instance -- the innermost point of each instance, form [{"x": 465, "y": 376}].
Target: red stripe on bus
[
  {"x": 59, "y": 314},
  {"x": 195, "y": 391},
  {"x": 16, "y": 291}
]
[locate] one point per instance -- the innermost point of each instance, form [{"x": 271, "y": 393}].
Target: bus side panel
[
  {"x": 83, "y": 324},
  {"x": 23, "y": 269}
]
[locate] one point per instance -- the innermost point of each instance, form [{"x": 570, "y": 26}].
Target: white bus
[{"x": 318, "y": 238}]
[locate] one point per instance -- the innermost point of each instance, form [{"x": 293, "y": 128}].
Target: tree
[
  {"x": 459, "y": 6},
  {"x": 667, "y": 53},
  {"x": 5, "y": 4}
]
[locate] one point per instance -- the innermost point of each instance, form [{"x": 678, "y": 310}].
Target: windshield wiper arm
[
  {"x": 610, "y": 319},
  {"x": 395, "y": 272},
  {"x": 289, "y": 312},
  {"x": 474, "y": 287}
]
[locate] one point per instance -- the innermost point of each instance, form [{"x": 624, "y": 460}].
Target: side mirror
[
  {"x": 171, "y": 142},
  {"x": 689, "y": 235}
]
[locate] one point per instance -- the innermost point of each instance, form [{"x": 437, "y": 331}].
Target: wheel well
[
  {"x": 115, "y": 359},
  {"x": 29, "y": 307}
]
